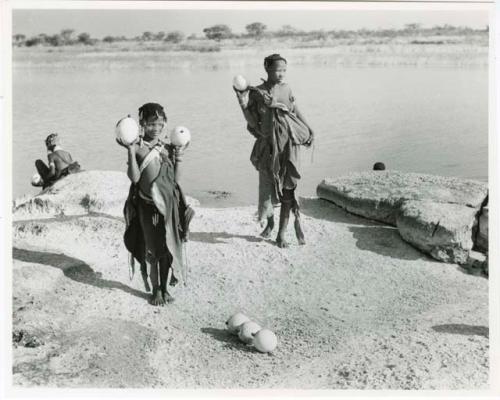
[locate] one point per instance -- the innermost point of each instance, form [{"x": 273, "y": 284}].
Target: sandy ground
[{"x": 355, "y": 308}]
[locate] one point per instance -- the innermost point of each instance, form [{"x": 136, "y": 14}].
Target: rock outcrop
[
  {"x": 438, "y": 215},
  {"x": 78, "y": 194}
]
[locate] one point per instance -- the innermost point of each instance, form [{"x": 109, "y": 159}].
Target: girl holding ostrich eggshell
[
  {"x": 156, "y": 213},
  {"x": 279, "y": 128}
]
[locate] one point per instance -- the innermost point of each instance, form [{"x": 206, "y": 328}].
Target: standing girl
[{"x": 274, "y": 119}]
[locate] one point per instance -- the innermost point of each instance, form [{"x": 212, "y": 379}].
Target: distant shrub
[
  {"x": 109, "y": 39},
  {"x": 218, "y": 32},
  {"x": 67, "y": 36},
  {"x": 147, "y": 36},
  {"x": 255, "y": 29},
  {"x": 427, "y": 42},
  {"x": 18, "y": 40},
  {"x": 55, "y": 40},
  {"x": 174, "y": 37},
  {"x": 205, "y": 48},
  {"x": 160, "y": 35},
  {"x": 112, "y": 39},
  {"x": 288, "y": 30},
  {"x": 36, "y": 40},
  {"x": 85, "y": 39}
]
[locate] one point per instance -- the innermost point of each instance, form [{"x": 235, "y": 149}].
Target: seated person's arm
[
  {"x": 52, "y": 166},
  {"x": 133, "y": 168}
]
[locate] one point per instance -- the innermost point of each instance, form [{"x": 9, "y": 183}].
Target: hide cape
[
  {"x": 278, "y": 149},
  {"x": 170, "y": 202}
]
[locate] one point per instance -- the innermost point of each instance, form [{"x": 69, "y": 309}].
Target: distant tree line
[
  {"x": 255, "y": 30},
  {"x": 64, "y": 38}
]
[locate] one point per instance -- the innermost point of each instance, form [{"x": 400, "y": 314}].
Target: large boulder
[
  {"x": 434, "y": 213},
  {"x": 442, "y": 230},
  {"x": 78, "y": 194}
]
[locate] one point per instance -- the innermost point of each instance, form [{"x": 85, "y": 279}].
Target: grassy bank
[{"x": 375, "y": 51}]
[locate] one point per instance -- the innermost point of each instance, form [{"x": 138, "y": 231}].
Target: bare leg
[
  {"x": 269, "y": 227},
  {"x": 156, "y": 298},
  {"x": 265, "y": 208},
  {"x": 298, "y": 229},
  {"x": 165, "y": 265},
  {"x": 284, "y": 217},
  {"x": 144, "y": 273}
]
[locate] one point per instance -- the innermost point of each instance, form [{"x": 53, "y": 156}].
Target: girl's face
[
  {"x": 276, "y": 72},
  {"x": 153, "y": 128}
]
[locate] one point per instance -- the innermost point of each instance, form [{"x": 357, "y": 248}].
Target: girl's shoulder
[{"x": 285, "y": 87}]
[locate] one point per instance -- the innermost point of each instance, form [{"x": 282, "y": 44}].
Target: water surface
[{"x": 416, "y": 119}]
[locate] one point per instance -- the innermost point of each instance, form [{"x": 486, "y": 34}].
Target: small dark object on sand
[
  {"x": 220, "y": 194},
  {"x": 23, "y": 338},
  {"x": 379, "y": 166}
]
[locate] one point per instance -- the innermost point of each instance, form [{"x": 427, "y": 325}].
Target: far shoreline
[{"x": 446, "y": 51}]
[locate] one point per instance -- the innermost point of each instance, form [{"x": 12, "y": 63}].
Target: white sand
[{"x": 355, "y": 308}]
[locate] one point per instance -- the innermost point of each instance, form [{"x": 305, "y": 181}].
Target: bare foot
[
  {"x": 299, "y": 233},
  {"x": 157, "y": 299},
  {"x": 281, "y": 241},
  {"x": 173, "y": 280},
  {"x": 167, "y": 297},
  {"x": 266, "y": 233}
]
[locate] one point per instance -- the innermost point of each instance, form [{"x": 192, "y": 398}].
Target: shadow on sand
[
  {"x": 220, "y": 237},
  {"x": 463, "y": 329},
  {"x": 386, "y": 241},
  {"x": 370, "y": 235},
  {"x": 74, "y": 269},
  {"x": 323, "y": 209},
  {"x": 228, "y": 339},
  {"x": 472, "y": 270}
]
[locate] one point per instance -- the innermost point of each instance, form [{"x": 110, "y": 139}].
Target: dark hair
[
  {"x": 149, "y": 110},
  {"x": 270, "y": 60},
  {"x": 379, "y": 166},
  {"x": 50, "y": 140}
]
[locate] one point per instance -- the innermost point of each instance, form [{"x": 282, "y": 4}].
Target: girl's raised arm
[{"x": 133, "y": 169}]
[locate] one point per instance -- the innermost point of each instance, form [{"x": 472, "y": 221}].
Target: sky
[{"x": 130, "y": 23}]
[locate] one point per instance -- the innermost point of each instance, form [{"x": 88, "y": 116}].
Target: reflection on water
[{"x": 413, "y": 119}]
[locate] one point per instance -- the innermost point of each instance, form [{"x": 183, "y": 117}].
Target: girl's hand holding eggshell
[
  {"x": 180, "y": 136},
  {"x": 240, "y": 84},
  {"x": 127, "y": 131}
]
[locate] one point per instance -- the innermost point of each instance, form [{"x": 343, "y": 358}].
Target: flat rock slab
[
  {"x": 442, "y": 230},
  {"x": 436, "y": 214}
]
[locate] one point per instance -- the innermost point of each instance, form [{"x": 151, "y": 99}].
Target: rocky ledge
[
  {"x": 444, "y": 217},
  {"x": 87, "y": 192}
]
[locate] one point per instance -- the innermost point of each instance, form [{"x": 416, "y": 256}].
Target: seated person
[{"x": 60, "y": 162}]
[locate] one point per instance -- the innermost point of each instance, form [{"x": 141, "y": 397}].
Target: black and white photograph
[{"x": 249, "y": 196}]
